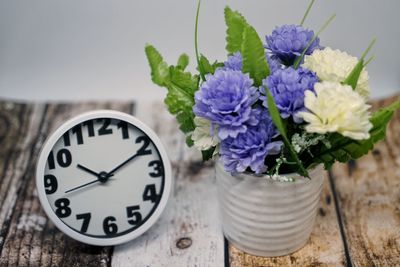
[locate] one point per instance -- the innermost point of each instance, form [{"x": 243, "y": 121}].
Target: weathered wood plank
[
  {"x": 28, "y": 238},
  {"x": 323, "y": 249},
  {"x": 188, "y": 233},
  {"x": 369, "y": 196}
]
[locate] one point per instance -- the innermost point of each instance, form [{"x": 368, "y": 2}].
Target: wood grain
[
  {"x": 188, "y": 233},
  {"x": 369, "y": 199},
  {"x": 27, "y": 238}
]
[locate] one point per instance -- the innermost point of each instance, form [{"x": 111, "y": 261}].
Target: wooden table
[{"x": 358, "y": 222}]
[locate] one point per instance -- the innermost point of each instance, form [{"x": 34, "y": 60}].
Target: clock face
[{"x": 103, "y": 178}]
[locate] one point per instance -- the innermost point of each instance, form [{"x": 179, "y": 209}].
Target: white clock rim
[{"x": 41, "y": 165}]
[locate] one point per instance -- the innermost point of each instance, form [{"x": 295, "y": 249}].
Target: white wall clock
[{"x": 103, "y": 177}]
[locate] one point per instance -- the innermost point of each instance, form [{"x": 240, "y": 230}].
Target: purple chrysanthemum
[
  {"x": 288, "y": 41},
  {"x": 273, "y": 62},
  {"x": 287, "y": 86},
  {"x": 250, "y": 149},
  {"x": 225, "y": 98},
  {"x": 235, "y": 62}
]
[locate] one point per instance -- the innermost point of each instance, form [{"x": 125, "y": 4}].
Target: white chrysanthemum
[
  {"x": 335, "y": 66},
  {"x": 336, "y": 108},
  {"x": 201, "y": 135}
]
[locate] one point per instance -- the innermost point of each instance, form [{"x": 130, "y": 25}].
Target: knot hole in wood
[{"x": 184, "y": 242}]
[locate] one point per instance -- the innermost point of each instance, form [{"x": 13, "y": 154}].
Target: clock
[{"x": 103, "y": 178}]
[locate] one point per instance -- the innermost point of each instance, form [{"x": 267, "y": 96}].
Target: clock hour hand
[
  {"x": 102, "y": 176},
  {"x": 87, "y": 170}
]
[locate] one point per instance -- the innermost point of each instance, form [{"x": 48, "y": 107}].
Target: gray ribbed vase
[{"x": 265, "y": 217}]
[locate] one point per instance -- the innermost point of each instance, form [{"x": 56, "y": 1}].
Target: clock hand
[
  {"x": 125, "y": 162},
  {"x": 87, "y": 170},
  {"x": 103, "y": 177},
  {"x": 122, "y": 164},
  {"x": 75, "y": 188}
]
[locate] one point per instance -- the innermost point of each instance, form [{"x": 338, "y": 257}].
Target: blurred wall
[{"x": 94, "y": 49}]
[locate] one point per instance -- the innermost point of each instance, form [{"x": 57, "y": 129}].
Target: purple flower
[
  {"x": 225, "y": 98},
  {"x": 273, "y": 62},
  {"x": 235, "y": 62},
  {"x": 250, "y": 149},
  {"x": 288, "y": 41},
  {"x": 287, "y": 86}
]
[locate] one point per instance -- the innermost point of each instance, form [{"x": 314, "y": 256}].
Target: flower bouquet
[{"x": 270, "y": 115}]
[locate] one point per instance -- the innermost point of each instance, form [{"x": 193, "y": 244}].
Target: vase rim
[{"x": 248, "y": 175}]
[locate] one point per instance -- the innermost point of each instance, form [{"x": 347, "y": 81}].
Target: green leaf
[
  {"x": 379, "y": 120},
  {"x": 275, "y": 115},
  {"x": 207, "y": 66},
  {"x": 185, "y": 120},
  {"x": 181, "y": 87},
  {"x": 307, "y": 11},
  {"x": 183, "y": 61},
  {"x": 354, "y": 75},
  {"x": 159, "y": 69},
  {"x": 189, "y": 141},
  {"x": 277, "y": 120},
  {"x": 196, "y": 26},
  {"x": 253, "y": 53},
  {"x": 236, "y": 24},
  {"x": 207, "y": 154},
  {"x": 187, "y": 82},
  {"x": 352, "y": 79}
]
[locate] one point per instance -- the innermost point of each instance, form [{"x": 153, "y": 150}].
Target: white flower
[
  {"x": 335, "y": 66},
  {"x": 201, "y": 135},
  {"x": 336, "y": 108}
]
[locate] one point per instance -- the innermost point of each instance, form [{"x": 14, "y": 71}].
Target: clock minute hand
[{"x": 122, "y": 164}]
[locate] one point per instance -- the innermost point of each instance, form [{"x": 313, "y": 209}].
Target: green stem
[
  {"x": 201, "y": 69},
  {"x": 333, "y": 149},
  {"x": 300, "y": 58},
  {"x": 368, "y": 49},
  {"x": 369, "y": 60},
  {"x": 307, "y": 11}
]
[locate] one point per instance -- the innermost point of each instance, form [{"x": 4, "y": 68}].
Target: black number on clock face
[
  {"x": 50, "y": 184},
  {"x": 109, "y": 225},
  {"x": 157, "y": 168},
  {"x": 133, "y": 215},
  {"x": 63, "y": 210},
  {"x": 104, "y": 128},
  {"x": 86, "y": 220},
  {"x": 67, "y": 140},
  {"x": 77, "y": 130},
  {"x": 90, "y": 127},
  {"x": 63, "y": 174},
  {"x": 146, "y": 142},
  {"x": 64, "y": 159},
  {"x": 124, "y": 128},
  {"x": 150, "y": 193}
]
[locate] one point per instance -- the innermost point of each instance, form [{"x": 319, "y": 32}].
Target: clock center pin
[{"x": 103, "y": 177}]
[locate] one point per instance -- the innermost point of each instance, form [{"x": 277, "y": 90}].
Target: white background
[{"x": 94, "y": 49}]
